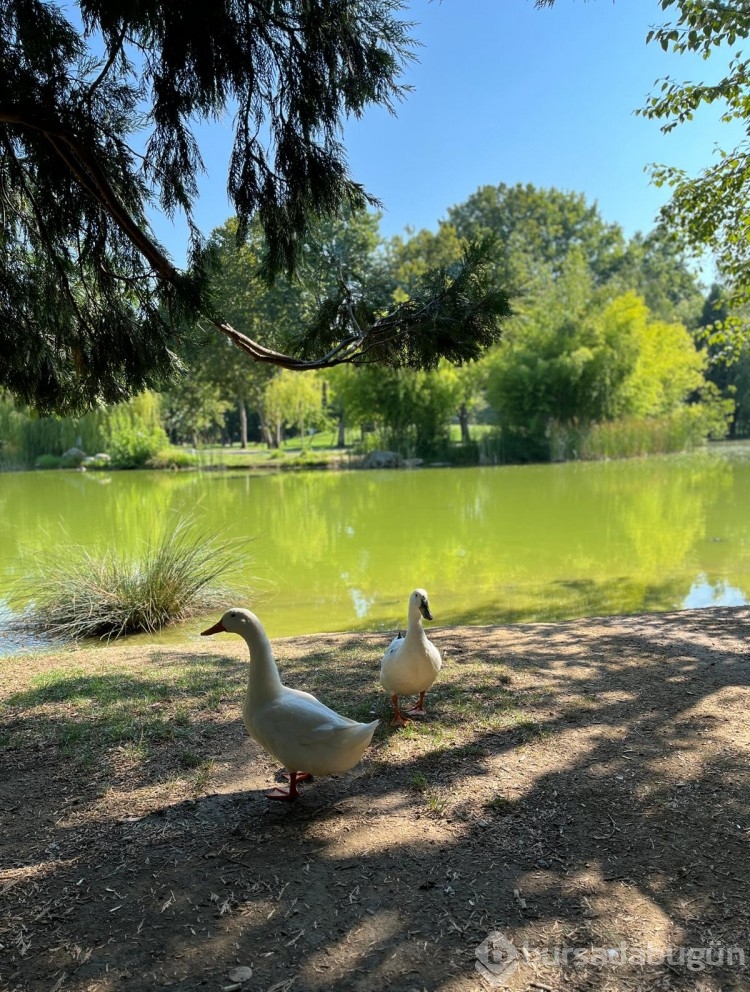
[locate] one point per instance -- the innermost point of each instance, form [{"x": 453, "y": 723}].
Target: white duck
[
  {"x": 410, "y": 663},
  {"x": 306, "y": 736}
]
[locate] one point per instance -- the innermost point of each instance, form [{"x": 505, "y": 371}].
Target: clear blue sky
[{"x": 506, "y": 93}]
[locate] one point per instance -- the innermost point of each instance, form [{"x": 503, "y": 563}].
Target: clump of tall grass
[
  {"x": 76, "y": 593},
  {"x": 680, "y": 430}
]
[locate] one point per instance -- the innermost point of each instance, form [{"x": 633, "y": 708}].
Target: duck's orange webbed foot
[
  {"x": 399, "y": 720},
  {"x": 292, "y": 793},
  {"x": 418, "y": 710},
  {"x": 285, "y": 795}
]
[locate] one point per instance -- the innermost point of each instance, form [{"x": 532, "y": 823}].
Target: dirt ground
[{"x": 581, "y": 789}]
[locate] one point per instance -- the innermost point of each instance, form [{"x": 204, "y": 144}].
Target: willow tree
[{"x": 99, "y": 102}]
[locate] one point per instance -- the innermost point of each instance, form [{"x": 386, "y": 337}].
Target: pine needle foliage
[
  {"x": 454, "y": 312},
  {"x": 99, "y": 102}
]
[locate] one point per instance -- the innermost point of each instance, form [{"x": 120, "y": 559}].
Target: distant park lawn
[{"x": 318, "y": 448}]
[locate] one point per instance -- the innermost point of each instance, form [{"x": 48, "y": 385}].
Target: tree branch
[{"x": 116, "y": 49}]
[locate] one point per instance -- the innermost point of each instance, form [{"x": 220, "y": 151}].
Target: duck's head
[
  {"x": 420, "y": 601},
  {"x": 234, "y": 621}
]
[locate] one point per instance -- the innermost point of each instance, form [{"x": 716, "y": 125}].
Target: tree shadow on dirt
[{"x": 607, "y": 809}]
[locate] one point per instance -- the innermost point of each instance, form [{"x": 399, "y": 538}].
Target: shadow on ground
[{"x": 577, "y": 786}]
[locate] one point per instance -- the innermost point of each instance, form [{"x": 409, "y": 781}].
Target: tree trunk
[
  {"x": 271, "y": 433},
  {"x": 341, "y": 443},
  {"x": 463, "y": 420},
  {"x": 243, "y": 424}
]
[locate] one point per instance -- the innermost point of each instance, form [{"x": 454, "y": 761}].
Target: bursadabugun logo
[{"x": 497, "y": 958}]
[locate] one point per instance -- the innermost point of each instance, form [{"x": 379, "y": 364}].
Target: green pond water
[{"x": 342, "y": 551}]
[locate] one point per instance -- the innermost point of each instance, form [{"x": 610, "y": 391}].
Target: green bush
[
  {"x": 686, "y": 427},
  {"x": 506, "y": 446},
  {"x": 11, "y": 427},
  {"x": 56, "y": 435},
  {"x": 132, "y": 439},
  {"x": 462, "y": 454},
  {"x": 173, "y": 457},
  {"x": 99, "y": 461},
  {"x": 48, "y": 461},
  {"x": 78, "y": 594},
  {"x": 72, "y": 458},
  {"x": 131, "y": 431}
]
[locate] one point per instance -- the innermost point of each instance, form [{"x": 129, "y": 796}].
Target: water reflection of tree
[{"x": 514, "y": 543}]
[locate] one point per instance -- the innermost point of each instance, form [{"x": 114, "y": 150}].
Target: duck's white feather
[
  {"x": 305, "y": 734},
  {"x": 411, "y": 663},
  {"x": 295, "y": 727}
]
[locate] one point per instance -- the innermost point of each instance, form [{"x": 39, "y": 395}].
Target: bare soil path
[{"x": 582, "y": 788}]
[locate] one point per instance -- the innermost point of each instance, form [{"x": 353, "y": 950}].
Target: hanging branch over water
[{"x": 92, "y": 307}]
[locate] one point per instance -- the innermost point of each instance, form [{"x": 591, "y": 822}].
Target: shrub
[
  {"x": 56, "y": 435},
  {"x": 684, "y": 428},
  {"x": 507, "y": 446},
  {"x": 98, "y": 461},
  {"x": 173, "y": 458},
  {"x": 134, "y": 432},
  {"x": 461, "y": 454},
  {"x": 11, "y": 432},
  {"x": 132, "y": 444},
  {"x": 75, "y": 593},
  {"x": 48, "y": 461},
  {"x": 72, "y": 458}
]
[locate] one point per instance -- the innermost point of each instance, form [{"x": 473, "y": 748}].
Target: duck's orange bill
[{"x": 216, "y": 629}]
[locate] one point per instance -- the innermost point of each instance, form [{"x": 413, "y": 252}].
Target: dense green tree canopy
[
  {"x": 710, "y": 209},
  {"x": 536, "y": 227},
  {"x": 98, "y": 105},
  {"x": 569, "y": 262},
  {"x": 658, "y": 268},
  {"x": 580, "y": 356}
]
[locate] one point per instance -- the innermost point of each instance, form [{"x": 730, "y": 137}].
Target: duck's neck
[
  {"x": 263, "y": 681},
  {"x": 415, "y": 623}
]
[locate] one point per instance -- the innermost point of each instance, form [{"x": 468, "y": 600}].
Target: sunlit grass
[
  {"x": 138, "y": 711},
  {"x": 419, "y": 782},
  {"x": 499, "y": 805},
  {"x": 76, "y": 593},
  {"x": 202, "y": 776},
  {"x": 130, "y": 715},
  {"x": 681, "y": 430},
  {"x": 433, "y": 799}
]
